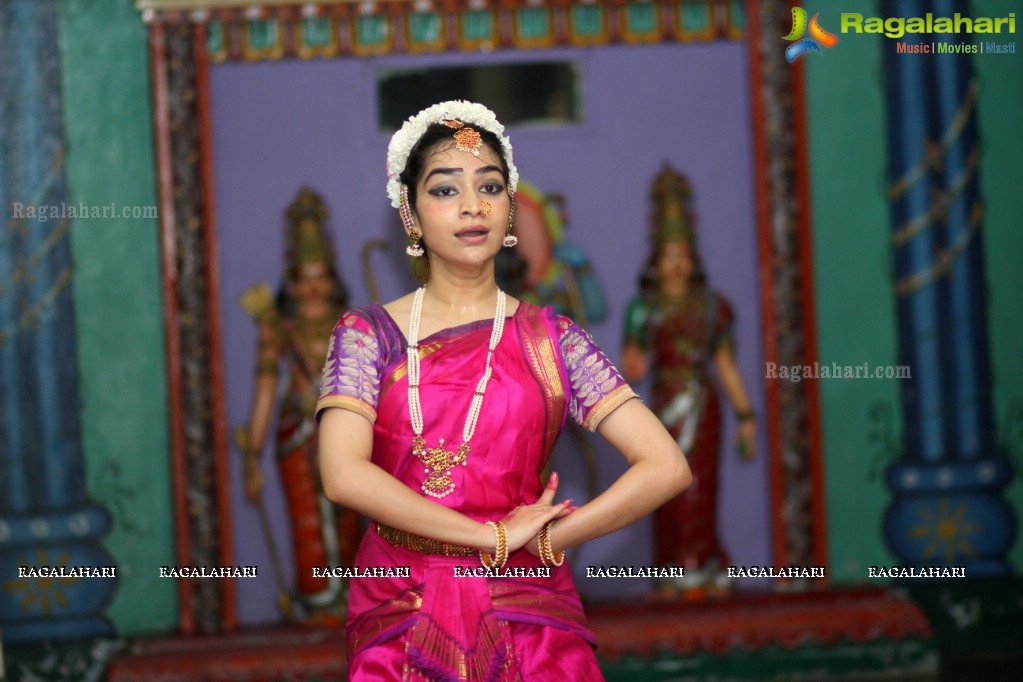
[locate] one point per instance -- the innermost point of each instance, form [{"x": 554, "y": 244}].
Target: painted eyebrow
[{"x": 483, "y": 170}]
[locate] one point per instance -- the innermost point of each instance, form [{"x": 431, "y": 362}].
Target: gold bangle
[
  {"x": 500, "y": 557},
  {"x": 502, "y": 545},
  {"x": 547, "y": 556}
]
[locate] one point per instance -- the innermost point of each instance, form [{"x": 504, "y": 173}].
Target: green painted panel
[
  {"x": 737, "y": 13},
  {"x": 214, "y": 37},
  {"x": 641, "y": 17},
  {"x": 117, "y": 302},
  {"x": 425, "y": 27},
  {"x": 316, "y": 31},
  {"x": 533, "y": 22},
  {"x": 694, "y": 16},
  {"x": 855, "y": 302},
  {"x": 371, "y": 30},
  {"x": 1001, "y": 177},
  {"x": 478, "y": 24},
  {"x": 262, "y": 34},
  {"x": 588, "y": 20}
]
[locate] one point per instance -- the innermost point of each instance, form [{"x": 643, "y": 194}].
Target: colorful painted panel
[
  {"x": 695, "y": 20},
  {"x": 424, "y": 32},
  {"x": 369, "y": 28},
  {"x": 641, "y": 22},
  {"x": 263, "y": 39},
  {"x": 372, "y": 35},
  {"x": 533, "y": 27},
  {"x": 216, "y": 41},
  {"x": 587, "y": 24},
  {"x": 477, "y": 29},
  {"x": 316, "y": 37}
]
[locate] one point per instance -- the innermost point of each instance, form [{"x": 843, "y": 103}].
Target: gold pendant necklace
[{"x": 439, "y": 461}]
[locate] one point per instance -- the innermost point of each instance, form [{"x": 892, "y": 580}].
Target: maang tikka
[
  {"x": 415, "y": 247},
  {"x": 466, "y": 139}
]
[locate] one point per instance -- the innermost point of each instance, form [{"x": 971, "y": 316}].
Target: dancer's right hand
[{"x": 525, "y": 521}]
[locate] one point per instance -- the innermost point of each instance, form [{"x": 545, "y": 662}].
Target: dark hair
[{"x": 434, "y": 135}]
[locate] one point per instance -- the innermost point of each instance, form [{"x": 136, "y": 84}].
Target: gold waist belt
[{"x": 417, "y": 543}]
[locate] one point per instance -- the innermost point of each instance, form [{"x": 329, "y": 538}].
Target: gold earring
[
  {"x": 510, "y": 239},
  {"x": 414, "y": 248}
]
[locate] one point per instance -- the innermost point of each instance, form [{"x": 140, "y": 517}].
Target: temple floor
[{"x": 914, "y": 632}]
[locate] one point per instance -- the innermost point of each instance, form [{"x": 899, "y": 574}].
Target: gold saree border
[
  {"x": 607, "y": 405},
  {"x": 542, "y": 351},
  {"x": 400, "y": 370},
  {"x": 384, "y": 617},
  {"x": 513, "y": 595},
  {"x": 348, "y": 403}
]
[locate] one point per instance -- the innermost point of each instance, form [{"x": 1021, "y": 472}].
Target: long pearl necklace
[{"x": 438, "y": 461}]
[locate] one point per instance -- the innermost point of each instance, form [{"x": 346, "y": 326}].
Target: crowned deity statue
[
  {"x": 675, "y": 330},
  {"x": 294, "y": 331}
]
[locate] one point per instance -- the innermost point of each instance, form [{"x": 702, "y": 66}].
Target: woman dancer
[{"x": 451, "y": 399}]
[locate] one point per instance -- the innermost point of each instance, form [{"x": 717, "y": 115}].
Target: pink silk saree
[{"x": 433, "y": 625}]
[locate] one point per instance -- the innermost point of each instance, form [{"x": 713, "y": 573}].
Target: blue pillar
[
  {"x": 947, "y": 507},
  {"x": 46, "y": 521}
]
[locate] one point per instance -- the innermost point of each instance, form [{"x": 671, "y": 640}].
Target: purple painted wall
[{"x": 279, "y": 126}]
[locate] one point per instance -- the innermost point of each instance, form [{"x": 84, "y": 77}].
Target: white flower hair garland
[{"x": 470, "y": 113}]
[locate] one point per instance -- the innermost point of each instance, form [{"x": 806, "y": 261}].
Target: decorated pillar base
[
  {"x": 951, "y": 514},
  {"x": 55, "y": 577}
]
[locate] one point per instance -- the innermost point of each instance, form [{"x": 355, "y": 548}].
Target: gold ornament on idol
[{"x": 439, "y": 461}]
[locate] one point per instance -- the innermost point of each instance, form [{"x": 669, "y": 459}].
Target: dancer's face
[{"x": 462, "y": 206}]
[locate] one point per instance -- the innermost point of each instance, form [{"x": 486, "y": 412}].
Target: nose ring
[{"x": 485, "y": 208}]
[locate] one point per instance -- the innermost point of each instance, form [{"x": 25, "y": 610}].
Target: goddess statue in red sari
[{"x": 684, "y": 327}]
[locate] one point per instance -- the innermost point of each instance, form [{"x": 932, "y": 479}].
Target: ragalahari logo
[{"x": 818, "y": 36}]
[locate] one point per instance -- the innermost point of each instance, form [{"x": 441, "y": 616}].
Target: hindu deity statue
[
  {"x": 294, "y": 330},
  {"x": 545, "y": 268},
  {"x": 676, "y": 330}
]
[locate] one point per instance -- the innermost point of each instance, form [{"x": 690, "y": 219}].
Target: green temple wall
[
  {"x": 1001, "y": 82},
  {"x": 861, "y": 420},
  {"x": 118, "y": 310}
]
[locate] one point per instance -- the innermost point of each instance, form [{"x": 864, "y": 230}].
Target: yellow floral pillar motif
[{"x": 43, "y": 593}]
